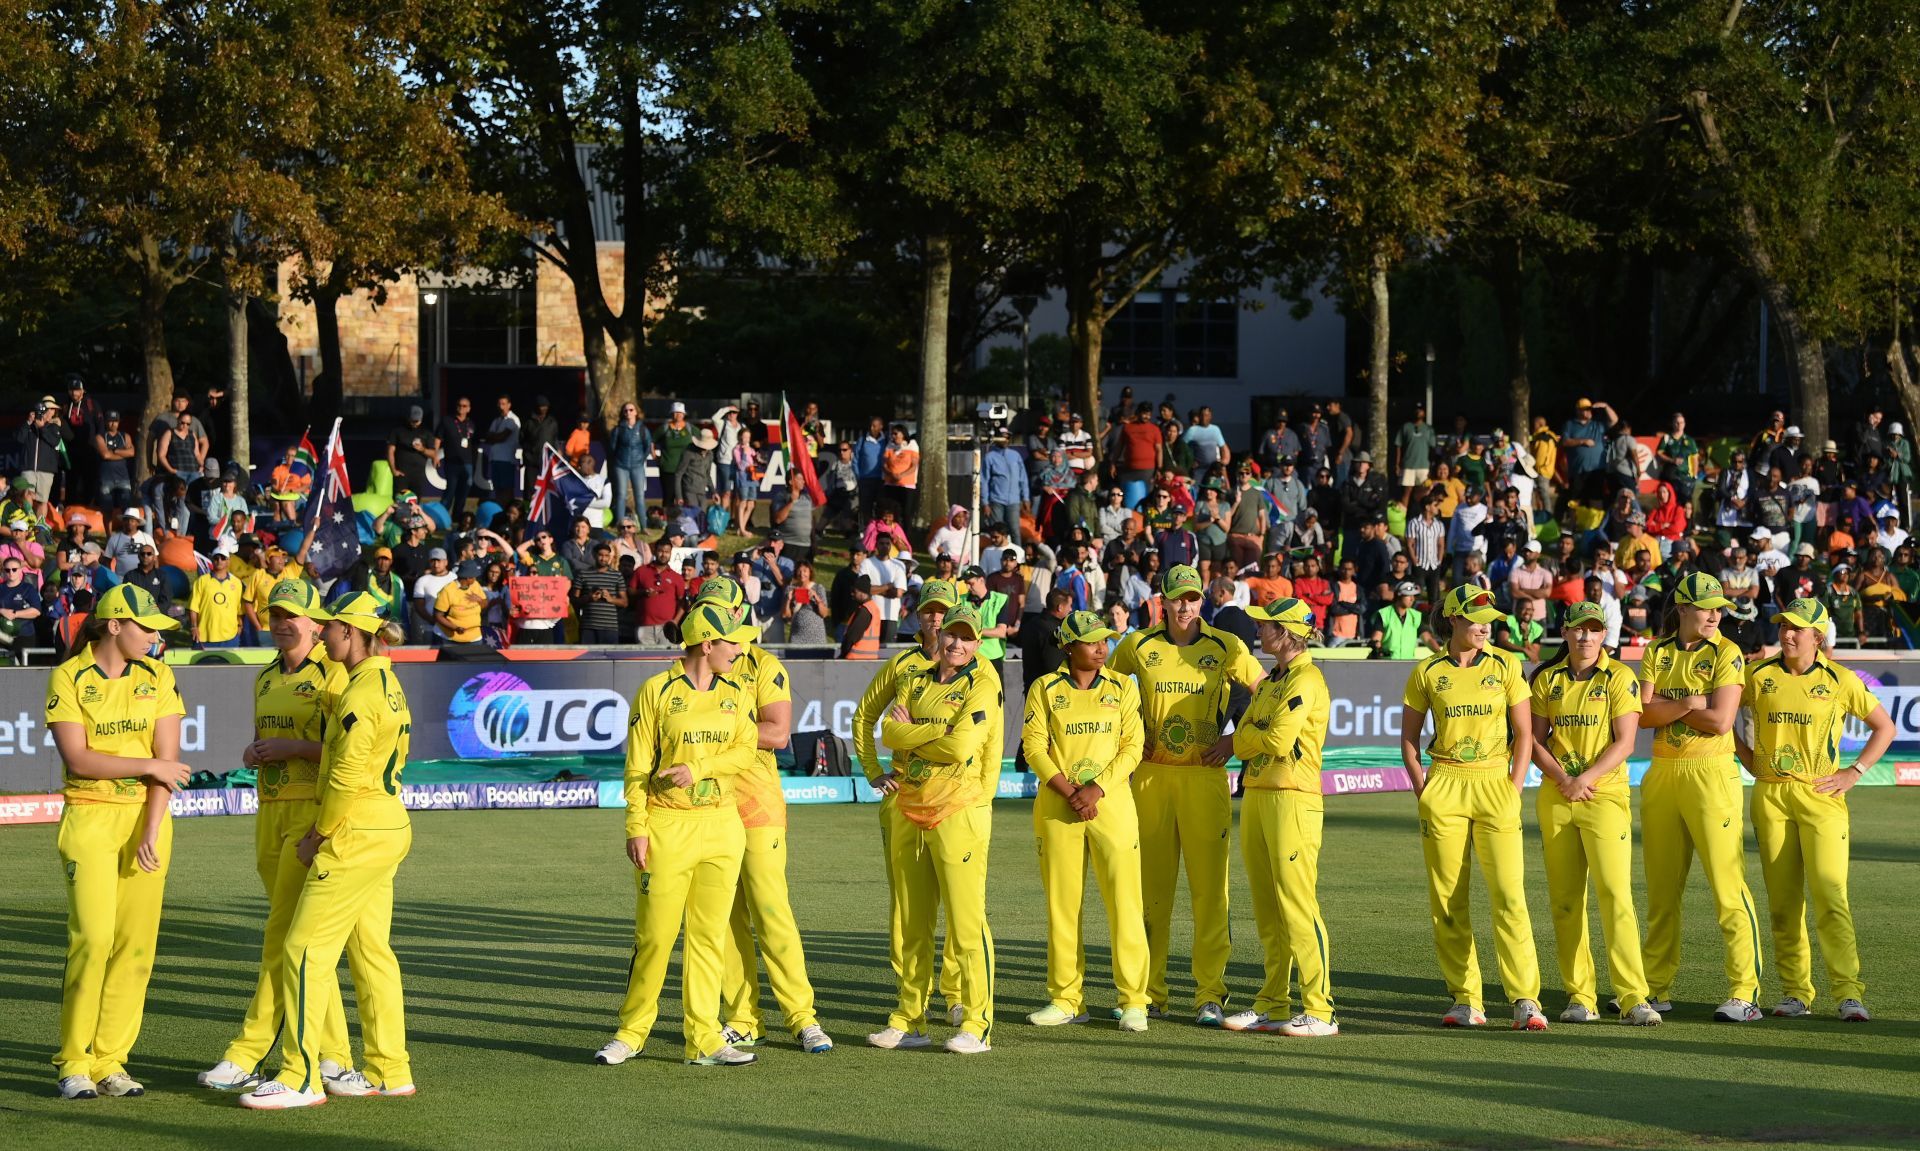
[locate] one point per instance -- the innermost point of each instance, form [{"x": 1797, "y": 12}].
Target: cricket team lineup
[{"x": 1129, "y": 740}]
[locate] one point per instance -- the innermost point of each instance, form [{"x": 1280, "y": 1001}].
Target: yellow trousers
[
  {"x": 763, "y": 914},
  {"x": 1186, "y": 816},
  {"x": 1803, "y": 850},
  {"x": 346, "y": 904},
  {"x": 1466, "y": 811},
  {"x": 949, "y": 970},
  {"x": 279, "y": 826},
  {"x": 1688, "y": 806},
  {"x": 1280, "y": 843},
  {"x": 113, "y": 926},
  {"x": 1593, "y": 836},
  {"x": 946, "y": 863},
  {"x": 693, "y": 867},
  {"x": 1111, "y": 842}
]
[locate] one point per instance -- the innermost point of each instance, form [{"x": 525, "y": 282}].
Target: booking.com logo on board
[{"x": 496, "y": 714}]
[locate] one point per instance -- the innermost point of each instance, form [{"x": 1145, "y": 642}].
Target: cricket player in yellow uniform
[
  {"x": 1586, "y": 711},
  {"x": 762, "y": 909},
  {"x": 1691, "y": 683},
  {"x": 360, "y": 835},
  {"x": 114, "y": 712},
  {"x": 1184, "y": 667},
  {"x": 692, "y": 732},
  {"x": 941, "y": 723},
  {"x": 936, "y": 597},
  {"x": 292, "y": 697},
  {"x": 1279, "y": 740},
  {"x": 1470, "y": 804},
  {"x": 1799, "y": 700},
  {"x": 1081, "y": 732}
]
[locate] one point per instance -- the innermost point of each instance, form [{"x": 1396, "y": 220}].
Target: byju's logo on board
[{"x": 496, "y": 714}]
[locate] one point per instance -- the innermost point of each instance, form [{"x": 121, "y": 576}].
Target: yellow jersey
[
  {"x": 1183, "y": 689},
  {"x": 216, "y": 603},
  {"x": 715, "y": 732},
  {"x": 463, "y": 607},
  {"x": 118, "y": 716},
  {"x": 1797, "y": 718},
  {"x": 937, "y": 754},
  {"x": 1469, "y": 705},
  {"x": 1090, "y": 734},
  {"x": 1676, "y": 672},
  {"x": 875, "y": 702},
  {"x": 757, "y": 792},
  {"x": 1280, "y": 738},
  {"x": 1580, "y": 712},
  {"x": 364, "y": 752},
  {"x": 294, "y": 705}
]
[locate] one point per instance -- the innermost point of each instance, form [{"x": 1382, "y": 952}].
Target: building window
[
  {"x": 1169, "y": 334},
  {"x": 483, "y": 326}
]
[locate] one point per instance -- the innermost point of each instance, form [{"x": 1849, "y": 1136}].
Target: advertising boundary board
[
  {"x": 506, "y": 711},
  {"x": 799, "y": 790}
]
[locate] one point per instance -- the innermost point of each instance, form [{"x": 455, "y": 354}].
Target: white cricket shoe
[
  {"x": 1133, "y": 1019},
  {"x": 814, "y": 1041},
  {"x": 1251, "y": 1021},
  {"x": 1209, "y": 1015},
  {"x": 734, "y": 1037},
  {"x": 1642, "y": 1015},
  {"x": 1737, "y": 1011},
  {"x": 1463, "y": 1015},
  {"x": 1579, "y": 1013},
  {"x": 121, "y": 1085},
  {"x": 956, "y": 1014},
  {"x": 892, "y": 1039},
  {"x": 78, "y": 1087},
  {"x": 967, "y": 1043},
  {"x": 1304, "y": 1026},
  {"x": 1661, "y": 1006},
  {"x": 1854, "y": 1011},
  {"x": 725, "y": 1057},
  {"x": 1054, "y": 1015},
  {"x": 229, "y": 1076},
  {"x": 1792, "y": 1007},
  {"x": 614, "y": 1054},
  {"x": 274, "y": 1095},
  {"x": 1528, "y": 1017},
  {"x": 347, "y": 1083},
  {"x": 392, "y": 1092}
]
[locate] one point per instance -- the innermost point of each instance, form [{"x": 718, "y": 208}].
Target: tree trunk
[
  {"x": 326, "y": 390},
  {"x": 1905, "y": 387},
  {"x": 933, "y": 379},
  {"x": 156, "y": 284},
  {"x": 1379, "y": 359},
  {"x": 1809, "y": 357},
  {"x": 1510, "y": 285},
  {"x": 1085, "y": 331},
  {"x": 237, "y": 397}
]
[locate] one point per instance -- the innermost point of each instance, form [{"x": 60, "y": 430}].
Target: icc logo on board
[{"x": 496, "y": 714}]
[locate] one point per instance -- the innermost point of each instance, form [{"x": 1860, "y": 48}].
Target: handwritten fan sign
[{"x": 539, "y": 597}]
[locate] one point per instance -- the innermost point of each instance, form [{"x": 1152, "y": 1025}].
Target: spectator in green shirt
[
  {"x": 1844, "y": 603},
  {"x": 1678, "y": 458},
  {"x": 676, "y": 435},
  {"x": 1413, "y": 452}
]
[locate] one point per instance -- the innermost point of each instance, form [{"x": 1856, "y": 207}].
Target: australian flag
[
  {"x": 559, "y": 497},
  {"x": 335, "y": 532}
]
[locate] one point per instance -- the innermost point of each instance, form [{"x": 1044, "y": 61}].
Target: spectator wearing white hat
[
  {"x": 1900, "y": 468},
  {"x": 1890, "y": 534},
  {"x": 1529, "y": 584},
  {"x": 1770, "y": 552}
]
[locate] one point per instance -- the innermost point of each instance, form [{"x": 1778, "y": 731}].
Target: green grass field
[{"x": 514, "y": 931}]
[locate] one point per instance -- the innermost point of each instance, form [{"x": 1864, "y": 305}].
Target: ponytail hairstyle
[
  {"x": 91, "y": 632},
  {"x": 389, "y": 635}
]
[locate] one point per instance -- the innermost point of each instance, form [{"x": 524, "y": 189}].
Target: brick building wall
[{"x": 379, "y": 346}]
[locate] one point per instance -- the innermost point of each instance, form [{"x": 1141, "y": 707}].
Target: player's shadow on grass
[
  {"x": 125, "y": 1125},
  {"x": 1869, "y": 851}
]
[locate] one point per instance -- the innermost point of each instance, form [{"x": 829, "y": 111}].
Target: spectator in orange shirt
[
  {"x": 900, "y": 471},
  {"x": 580, "y": 441},
  {"x": 1271, "y": 584}
]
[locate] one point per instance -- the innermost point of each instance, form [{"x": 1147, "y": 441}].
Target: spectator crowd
[{"x": 475, "y": 551}]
